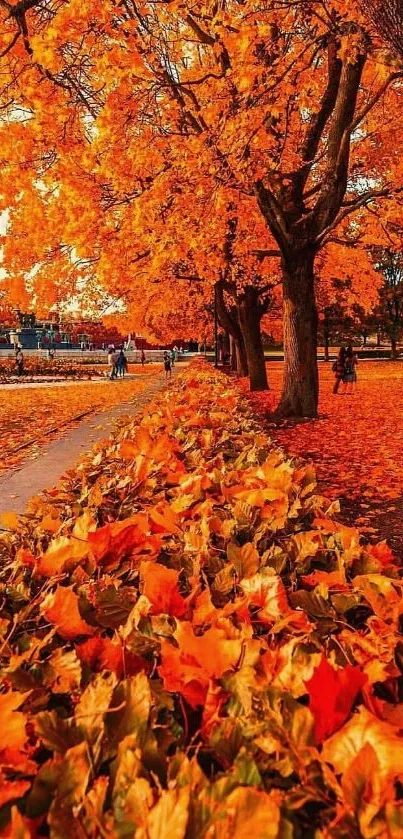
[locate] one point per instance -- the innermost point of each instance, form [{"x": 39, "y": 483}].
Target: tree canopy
[{"x": 139, "y": 139}]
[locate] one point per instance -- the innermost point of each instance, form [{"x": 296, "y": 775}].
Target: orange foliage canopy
[{"x": 133, "y": 137}]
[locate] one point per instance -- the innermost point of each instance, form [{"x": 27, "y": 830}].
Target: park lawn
[
  {"x": 357, "y": 442},
  {"x": 28, "y": 415}
]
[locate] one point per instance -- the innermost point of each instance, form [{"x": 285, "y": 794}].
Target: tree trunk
[
  {"x": 326, "y": 343},
  {"x": 300, "y": 384},
  {"x": 326, "y": 333},
  {"x": 229, "y": 321},
  {"x": 249, "y": 316},
  {"x": 232, "y": 354},
  {"x": 393, "y": 348},
  {"x": 241, "y": 358}
]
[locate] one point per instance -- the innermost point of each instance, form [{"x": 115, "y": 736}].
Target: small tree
[{"x": 390, "y": 264}]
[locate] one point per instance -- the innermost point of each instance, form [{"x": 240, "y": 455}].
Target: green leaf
[
  {"x": 57, "y": 734},
  {"x": 92, "y": 707},
  {"x": 133, "y": 697},
  {"x": 245, "y": 560},
  {"x": 313, "y": 604},
  {"x": 132, "y": 796},
  {"x": 113, "y": 607}
]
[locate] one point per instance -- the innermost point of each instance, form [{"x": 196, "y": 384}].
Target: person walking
[
  {"x": 338, "y": 369},
  {"x": 121, "y": 364},
  {"x": 112, "y": 362},
  {"x": 19, "y": 361},
  {"x": 143, "y": 358},
  {"x": 167, "y": 365},
  {"x": 350, "y": 371}
]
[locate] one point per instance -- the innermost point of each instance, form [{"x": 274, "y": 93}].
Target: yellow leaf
[
  {"x": 10, "y": 521},
  {"x": 12, "y": 722},
  {"x": 168, "y": 819}
]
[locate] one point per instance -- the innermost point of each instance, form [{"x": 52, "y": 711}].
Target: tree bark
[
  {"x": 300, "y": 385},
  {"x": 241, "y": 358},
  {"x": 326, "y": 336},
  {"x": 249, "y": 316},
  {"x": 232, "y": 353},
  {"x": 229, "y": 322}
]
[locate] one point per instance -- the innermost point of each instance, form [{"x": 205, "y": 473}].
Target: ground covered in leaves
[
  {"x": 192, "y": 648},
  {"x": 30, "y": 417},
  {"x": 356, "y": 444}
]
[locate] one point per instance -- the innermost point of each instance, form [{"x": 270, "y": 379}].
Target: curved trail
[{"x": 19, "y": 485}]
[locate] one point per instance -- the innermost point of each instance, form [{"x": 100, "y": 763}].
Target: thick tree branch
[
  {"x": 345, "y": 211},
  {"x": 318, "y": 121},
  {"x": 334, "y": 182}
]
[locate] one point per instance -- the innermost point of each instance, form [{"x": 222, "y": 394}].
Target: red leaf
[
  {"x": 119, "y": 539},
  {"x": 381, "y": 552},
  {"x": 103, "y": 654},
  {"x": 332, "y": 694}
]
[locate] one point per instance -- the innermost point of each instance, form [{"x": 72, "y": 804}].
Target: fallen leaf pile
[
  {"x": 26, "y": 415},
  {"x": 192, "y": 648}
]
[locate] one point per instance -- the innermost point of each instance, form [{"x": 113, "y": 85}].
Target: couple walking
[
  {"x": 117, "y": 363},
  {"x": 344, "y": 369}
]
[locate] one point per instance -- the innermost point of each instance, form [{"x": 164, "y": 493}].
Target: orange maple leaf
[
  {"x": 189, "y": 667},
  {"x": 12, "y": 721},
  {"x": 60, "y": 608},
  {"x": 160, "y": 586}
]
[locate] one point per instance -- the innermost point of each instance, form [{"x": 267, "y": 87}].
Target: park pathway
[{"x": 33, "y": 476}]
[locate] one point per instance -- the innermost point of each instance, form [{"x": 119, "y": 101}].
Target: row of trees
[
  {"x": 173, "y": 153},
  {"x": 345, "y": 312}
]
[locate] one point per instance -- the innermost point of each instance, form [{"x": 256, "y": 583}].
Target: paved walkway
[{"x": 18, "y": 486}]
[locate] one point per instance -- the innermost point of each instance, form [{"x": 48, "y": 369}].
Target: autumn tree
[
  {"x": 319, "y": 103},
  {"x": 286, "y": 104},
  {"x": 390, "y": 310},
  {"x": 223, "y": 249},
  {"x": 387, "y": 17},
  {"x": 345, "y": 301}
]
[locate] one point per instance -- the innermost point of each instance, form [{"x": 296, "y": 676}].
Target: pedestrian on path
[
  {"x": 19, "y": 361},
  {"x": 143, "y": 358},
  {"x": 121, "y": 364},
  {"x": 350, "y": 371},
  {"x": 112, "y": 362},
  {"x": 338, "y": 369},
  {"x": 167, "y": 365}
]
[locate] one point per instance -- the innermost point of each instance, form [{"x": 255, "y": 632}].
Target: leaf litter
[{"x": 191, "y": 644}]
